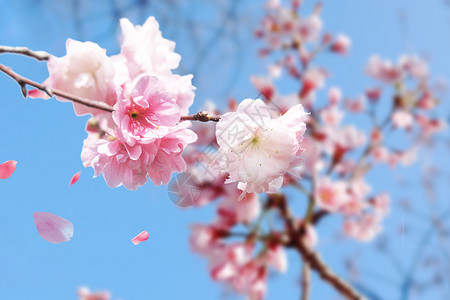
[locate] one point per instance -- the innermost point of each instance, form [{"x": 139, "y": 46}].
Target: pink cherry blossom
[
  {"x": 232, "y": 212},
  {"x": 277, "y": 258},
  {"x": 168, "y": 158},
  {"x": 7, "y": 168},
  {"x": 402, "y": 119},
  {"x": 145, "y": 50},
  {"x": 85, "y": 71},
  {"x": 381, "y": 203},
  {"x": 363, "y": 228},
  {"x": 331, "y": 115},
  {"x": 380, "y": 154},
  {"x": 120, "y": 163},
  {"x": 257, "y": 289},
  {"x": 203, "y": 239},
  {"x": 75, "y": 178},
  {"x": 341, "y": 44},
  {"x": 52, "y": 228},
  {"x": 264, "y": 149},
  {"x": 85, "y": 294},
  {"x": 313, "y": 79},
  {"x": 264, "y": 86},
  {"x": 430, "y": 126},
  {"x": 309, "y": 28},
  {"x": 334, "y": 95},
  {"x": 414, "y": 65},
  {"x": 143, "y": 236},
  {"x": 147, "y": 112},
  {"x": 355, "y": 105},
  {"x": 373, "y": 94},
  {"x": 383, "y": 70},
  {"x": 330, "y": 195}
]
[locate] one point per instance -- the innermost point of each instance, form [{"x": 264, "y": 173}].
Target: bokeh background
[{"x": 409, "y": 260}]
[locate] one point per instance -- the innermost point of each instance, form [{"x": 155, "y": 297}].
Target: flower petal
[
  {"x": 75, "y": 178},
  {"x": 35, "y": 93},
  {"x": 143, "y": 236},
  {"x": 52, "y": 228},
  {"x": 7, "y": 168}
]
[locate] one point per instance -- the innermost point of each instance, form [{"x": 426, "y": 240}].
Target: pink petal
[
  {"x": 52, "y": 228},
  {"x": 143, "y": 236},
  {"x": 7, "y": 168},
  {"x": 75, "y": 178},
  {"x": 38, "y": 94}
]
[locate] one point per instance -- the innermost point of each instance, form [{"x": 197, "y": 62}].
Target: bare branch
[
  {"x": 309, "y": 256},
  {"x": 202, "y": 116},
  {"x": 39, "y": 55},
  {"x": 23, "y": 82},
  {"x": 306, "y": 281}
]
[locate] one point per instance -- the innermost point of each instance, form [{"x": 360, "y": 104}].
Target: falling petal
[
  {"x": 75, "y": 178},
  {"x": 7, "y": 168},
  {"x": 37, "y": 94},
  {"x": 143, "y": 236},
  {"x": 52, "y": 228}
]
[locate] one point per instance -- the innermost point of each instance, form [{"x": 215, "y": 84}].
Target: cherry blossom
[
  {"x": 341, "y": 44},
  {"x": 85, "y": 71},
  {"x": 146, "y": 113},
  {"x": 331, "y": 195},
  {"x": 85, "y": 294},
  {"x": 383, "y": 70},
  {"x": 265, "y": 149}
]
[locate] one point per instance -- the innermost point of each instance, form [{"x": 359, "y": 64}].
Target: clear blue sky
[{"x": 46, "y": 138}]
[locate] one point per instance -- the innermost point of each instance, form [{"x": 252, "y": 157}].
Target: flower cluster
[
  {"x": 257, "y": 146},
  {"x": 143, "y": 137},
  {"x": 266, "y": 145}
]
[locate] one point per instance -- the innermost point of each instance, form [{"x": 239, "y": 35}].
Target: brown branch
[
  {"x": 306, "y": 281},
  {"x": 23, "y": 82},
  {"x": 310, "y": 257},
  {"x": 202, "y": 116},
  {"x": 39, "y": 55}
]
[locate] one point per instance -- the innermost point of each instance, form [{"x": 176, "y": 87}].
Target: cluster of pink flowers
[
  {"x": 263, "y": 146},
  {"x": 243, "y": 266},
  {"x": 143, "y": 137},
  {"x": 282, "y": 28},
  {"x": 258, "y": 146}
]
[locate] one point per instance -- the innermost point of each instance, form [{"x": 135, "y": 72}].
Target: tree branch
[
  {"x": 309, "y": 256},
  {"x": 202, "y": 116},
  {"x": 39, "y": 55},
  {"x": 23, "y": 82},
  {"x": 306, "y": 281}
]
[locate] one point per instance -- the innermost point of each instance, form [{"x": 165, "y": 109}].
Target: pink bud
[{"x": 341, "y": 44}]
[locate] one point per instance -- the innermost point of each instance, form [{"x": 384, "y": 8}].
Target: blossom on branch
[{"x": 258, "y": 148}]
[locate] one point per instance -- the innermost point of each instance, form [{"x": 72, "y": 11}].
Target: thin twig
[
  {"x": 312, "y": 258},
  {"x": 306, "y": 281},
  {"x": 39, "y": 55},
  {"x": 23, "y": 82},
  {"x": 202, "y": 116}
]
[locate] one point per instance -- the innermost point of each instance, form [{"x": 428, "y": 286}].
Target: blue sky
[{"x": 46, "y": 138}]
